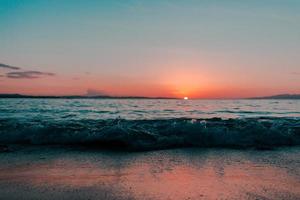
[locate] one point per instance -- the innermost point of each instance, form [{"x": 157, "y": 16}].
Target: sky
[{"x": 165, "y": 48}]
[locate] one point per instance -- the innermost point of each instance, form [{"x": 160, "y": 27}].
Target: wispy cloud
[
  {"x": 23, "y": 74},
  {"x": 28, "y": 74},
  {"x": 9, "y": 67}
]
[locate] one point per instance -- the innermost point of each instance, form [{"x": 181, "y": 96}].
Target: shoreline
[{"x": 48, "y": 172}]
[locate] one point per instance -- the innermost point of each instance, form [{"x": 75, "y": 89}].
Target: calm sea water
[{"x": 70, "y": 109}]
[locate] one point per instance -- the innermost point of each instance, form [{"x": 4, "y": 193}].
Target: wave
[{"x": 261, "y": 133}]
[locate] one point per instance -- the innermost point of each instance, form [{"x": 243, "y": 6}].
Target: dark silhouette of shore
[
  {"x": 280, "y": 96},
  {"x": 78, "y": 97}
]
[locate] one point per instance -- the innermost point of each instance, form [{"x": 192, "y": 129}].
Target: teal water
[
  {"x": 66, "y": 109},
  {"x": 151, "y": 124}
]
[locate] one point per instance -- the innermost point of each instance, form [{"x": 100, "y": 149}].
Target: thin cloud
[
  {"x": 28, "y": 74},
  {"x": 23, "y": 74},
  {"x": 9, "y": 67}
]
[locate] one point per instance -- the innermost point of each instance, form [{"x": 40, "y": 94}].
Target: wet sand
[{"x": 48, "y": 172}]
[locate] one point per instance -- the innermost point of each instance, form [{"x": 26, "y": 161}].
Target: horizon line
[{"x": 17, "y": 95}]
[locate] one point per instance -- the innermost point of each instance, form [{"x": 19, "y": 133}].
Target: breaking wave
[{"x": 156, "y": 134}]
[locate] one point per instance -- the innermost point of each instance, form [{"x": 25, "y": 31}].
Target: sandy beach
[{"x": 33, "y": 172}]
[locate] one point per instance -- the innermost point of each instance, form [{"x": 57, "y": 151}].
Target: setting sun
[{"x": 185, "y": 98}]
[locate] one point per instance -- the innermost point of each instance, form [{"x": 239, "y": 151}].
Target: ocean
[{"x": 149, "y": 124}]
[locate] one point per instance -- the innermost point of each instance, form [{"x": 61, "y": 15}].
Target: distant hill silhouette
[
  {"x": 280, "y": 96},
  {"x": 78, "y": 97}
]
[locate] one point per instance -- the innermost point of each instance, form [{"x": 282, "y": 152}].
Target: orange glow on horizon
[{"x": 177, "y": 84}]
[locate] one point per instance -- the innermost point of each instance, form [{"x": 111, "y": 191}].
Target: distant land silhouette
[
  {"x": 78, "y": 97},
  {"x": 280, "y": 96}
]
